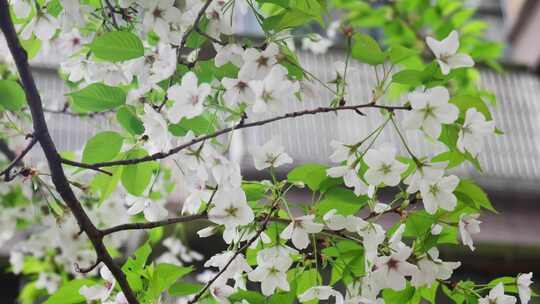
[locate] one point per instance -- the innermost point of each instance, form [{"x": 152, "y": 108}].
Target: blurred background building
[{"x": 508, "y": 243}]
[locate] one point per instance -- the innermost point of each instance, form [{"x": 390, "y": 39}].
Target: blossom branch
[
  {"x": 16, "y": 161},
  {"x": 42, "y": 135},
  {"x": 87, "y": 269},
  {"x": 241, "y": 125},
  {"x": 85, "y": 166},
  {"x": 151, "y": 225},
  {"x": 195, "y": 26},
  {"x": 261, "y": 229}
]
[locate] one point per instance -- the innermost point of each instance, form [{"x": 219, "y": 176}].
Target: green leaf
[
  {"x": 69, "y": 292},
  {"x": 465, "y": 102},
  {"x": 454, "y": 158},
  {"x": 164, "y": 276},
  {"x": 254, "y": 191},
  {"x": 30, "y": 293},
  {"x": 471, "y": 190},
  {"x": 366, "y": 49},
  {"x": 408, "y": 77},
  {"x": 117, "y": 46},
  {"x": 98, "y": 97},
  {"x": 12, "y": 96},
  {"x": 418, "y": 223},
  {"x": 399, "y": 53},
  {"x": 136, "y": 178},
  {"x": 341, "y": 199},
  {"x": 251, "y": 296},
  {"x": 102, "y": 147},
  {"x": 31, "y": 46},
  {"x": 201, "y": 124},
  {"x": 105, "y": 184},
  {"x": 306, "y": 280},
  {"x": 182, "y": 289},
  {"x": 403, "y": 296},
  {"x": 128, "y": 119},
  {"x": 310, "y": 174},
  {"x": 134, "y": 266}
]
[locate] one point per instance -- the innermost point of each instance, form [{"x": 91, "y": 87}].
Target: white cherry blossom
[
  {"x": 152, "y": 210},
  {"x": 316, "y": 44},
  {"x": 272, "y": 92},
  {"x": 469, "y": 224},
  {"x": 259, "y": 63},
  {"x": 99, "y": 291},
  {"x": 321, "y": 293},
  {"x": 159, "y": 14},
  {"x": 392, "y": 270},
  {"x": 426, "y": 172},
  {"x": 439, "y": 194},
  {"x": 271, "y": 154},
  {"x": 383, "y": 166},
  {"x": 155, "y": 127},
  {"x": 188, "y": 98},
  {"x": 238, "y": 90},
  {"x": 524, "y": 281},
  {"x": 220, "y": 260},
  {"x": 43, "y": 25},
  {"x": 430, "y": 109},
  {"x": 49, "y": 281},
  {"x": 231, "y": 52},
  {"x": 298, "y": 230},
  {"x": 431, "y": 268},
  {"x": 231, "y": 208},
  {"x": 271, "y": 272},
  {"x": 21, "y": 8},
  {"x": 497, "y": 296},
  {"x": 446, "y": 53},
  {"x": 473, "y": 131}
]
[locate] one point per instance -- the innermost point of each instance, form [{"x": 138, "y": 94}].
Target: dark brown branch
[
  {"x": 17, "y": 160},
  {"x": 162, "y": 155},
  {"x": 86, "y": 269},
  {"x": 41, "y": 133},
  {"x": 4, "y": 148},
  {"x": 85, "y": 166},
  {"x": 195, "y": 26},
  {"x": 150, "y": 225}
]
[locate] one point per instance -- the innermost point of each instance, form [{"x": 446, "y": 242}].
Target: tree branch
[
  {"x": 17, "y": 160},
  {"x": 195, "y": 25},
  {"x": 162, "y": 155},
  {"x": 4, "y": 148},
  {"x": 85, "y": 166},
  {"x": 150, "y": 225},
  {"x": 41, "y": 133}
]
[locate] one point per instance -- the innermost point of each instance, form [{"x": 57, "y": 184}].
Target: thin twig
[
  {"x": 18, "y": 159},
  {"x": 201, "y": 13},
  {"x": 87, "y": 269},
  {"x": 261, "y": 229},
  {"x": 150, "y": 225},
  {"x": 162, "y": 155},
  {"x": 85, "y": 166}
]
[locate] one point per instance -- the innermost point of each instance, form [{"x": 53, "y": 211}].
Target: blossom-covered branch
[{"x": 242, "y": 125}]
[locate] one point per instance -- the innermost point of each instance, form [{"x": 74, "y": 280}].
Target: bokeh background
[{"x": 509, "y": 243}]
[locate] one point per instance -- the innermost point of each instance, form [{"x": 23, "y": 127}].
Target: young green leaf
[
  {"x": 117, "y": 46},
  {"x": 102, "y": 147},
  {"x": 98, "y": 97},
  {"x": 12, "y": 96}
]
